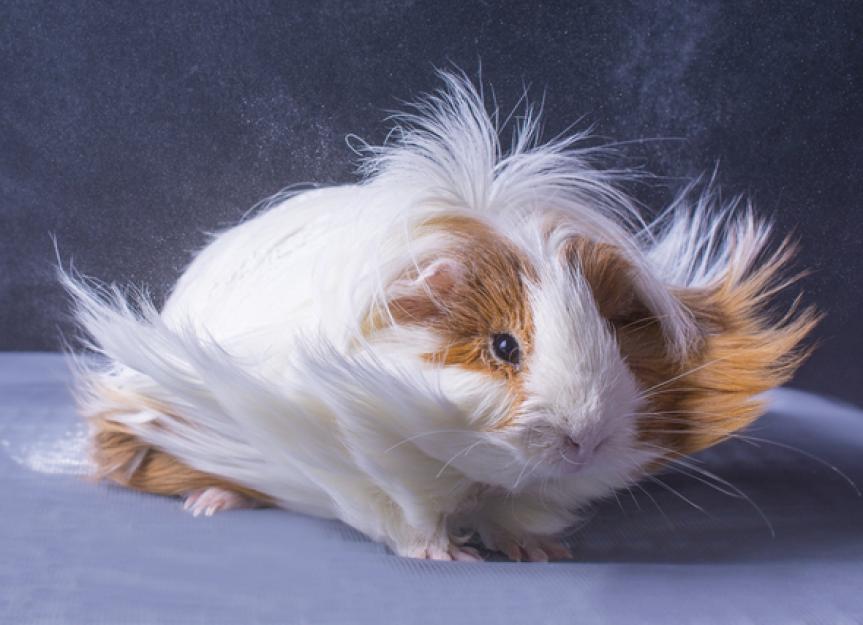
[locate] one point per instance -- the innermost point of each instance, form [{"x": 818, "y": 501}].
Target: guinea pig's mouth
[
  {"x": 585, "y": 451},
  {"x": 571, "y": 467}
]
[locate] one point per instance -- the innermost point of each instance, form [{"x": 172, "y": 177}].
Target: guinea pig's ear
[
  {"x": 611, "y": 278},
  {"x": 420, "y": 294},
  {"x": 440, "y": 275},
  {"x": 645, "y": 314}
]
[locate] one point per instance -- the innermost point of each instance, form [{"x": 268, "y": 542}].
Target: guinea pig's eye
[{"x": 506, "y": 348}]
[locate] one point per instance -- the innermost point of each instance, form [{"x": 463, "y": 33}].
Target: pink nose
[{"x": 577, "y": 452}]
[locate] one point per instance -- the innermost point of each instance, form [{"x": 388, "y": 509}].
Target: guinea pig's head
[
  {"x": 574, "y": 344},
  {"x": 568, "y": 358},
  {"x": 521, "y": 332}
]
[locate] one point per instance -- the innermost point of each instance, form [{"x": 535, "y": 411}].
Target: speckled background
[{"x": 129, "y": 129}]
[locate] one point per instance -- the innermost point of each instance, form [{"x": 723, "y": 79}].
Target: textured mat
[{"x": 76, "y": 552}]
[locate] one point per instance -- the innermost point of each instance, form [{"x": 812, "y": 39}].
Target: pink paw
[
  {"x": 528, "y": 548},
  {"x": 208, "y": 501},
  {"x": 449, "y": 552}
]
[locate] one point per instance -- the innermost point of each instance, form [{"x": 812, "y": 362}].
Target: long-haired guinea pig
[{"x": 474, "y": 340}]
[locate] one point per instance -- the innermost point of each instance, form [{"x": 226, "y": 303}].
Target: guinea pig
[{"x": 472, "y": 341}]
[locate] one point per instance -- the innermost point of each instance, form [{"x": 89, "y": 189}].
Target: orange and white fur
[{"x": 470, "y": 340}]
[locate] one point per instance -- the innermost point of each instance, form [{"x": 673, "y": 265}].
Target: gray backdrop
[{"x": 129, "y": 129}]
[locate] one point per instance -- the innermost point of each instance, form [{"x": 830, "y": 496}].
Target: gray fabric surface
[{"x": 76, "y": 552}]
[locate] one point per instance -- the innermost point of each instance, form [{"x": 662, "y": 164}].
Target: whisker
[
  {"x": 521, "y": 474},
  {"x": 811, "y": 456},
  {"x": 643, "y": 322},
  {"x": 684, "y": 420},
  {"x": 464, "y": 451},
  {"x": 716, "y": 432},
  {"x": 737, "y": 493},
  {"x": 753, "y": 440},
  {"x": 619, "y": 503},
  {"x": 680, "y": 389},
  {"x": 659, "y": 413},
  {"x": 669, "y": 450},
  {"x": 685, "y": 373},
  {"x": 421, "y": 434},
  {"x": 536, "y": 465},
  {"x": 633, "y": 497},
  {"x": 698, "y": 478},
  {"x": 656, "y": 504},
  {"x": 683, "y": 497},
  {"x": 565, "y": 459},
  {"x": 543, "y": 496}
]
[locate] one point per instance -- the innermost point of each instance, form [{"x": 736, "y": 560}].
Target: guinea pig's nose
[
  {"x": 577, "y": 450},
  {"x": 573, "y": 445},
  {"x": 574, "y": 453}
]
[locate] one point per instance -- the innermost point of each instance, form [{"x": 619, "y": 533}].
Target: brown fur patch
[
  {"x": 746, "y": 351},
  {"x": 478, "y": 289},
  {"x": 123, "y": 458},
  {"x": 743, "y": 351}
]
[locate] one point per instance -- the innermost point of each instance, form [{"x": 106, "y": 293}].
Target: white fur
[{"x": 259, "y": 346}]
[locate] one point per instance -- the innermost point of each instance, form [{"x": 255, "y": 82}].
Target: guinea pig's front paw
[
  {"x": 525, "y": 548},
  {"x": 441, "y": 551}
]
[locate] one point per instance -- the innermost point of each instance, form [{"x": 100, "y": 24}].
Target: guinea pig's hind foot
[{"x": 208, "y": 501}]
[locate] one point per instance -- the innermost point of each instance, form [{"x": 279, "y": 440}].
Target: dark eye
[{"x": 506, "y": 348}]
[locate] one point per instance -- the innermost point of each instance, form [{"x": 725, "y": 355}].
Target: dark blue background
[{"x": 129, "y": 129}]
